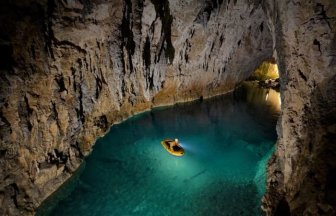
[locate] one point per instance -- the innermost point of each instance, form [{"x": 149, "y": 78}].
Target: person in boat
[
  {"x": 173, "y": 147},
  {"x": 173, "y": 144}
]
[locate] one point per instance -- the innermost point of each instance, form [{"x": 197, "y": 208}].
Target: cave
[
  {"x": 224, "y": 145},
  {"x": 71, "y": 69}
]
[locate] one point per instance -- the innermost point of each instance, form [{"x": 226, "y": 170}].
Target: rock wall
[
  {"x": 301, "y": 174},
  {"x": 69, "y": 69},
  {"x": 72, "y": 68}
]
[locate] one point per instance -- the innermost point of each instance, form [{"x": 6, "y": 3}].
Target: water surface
[{"x": 227, "y": 142}]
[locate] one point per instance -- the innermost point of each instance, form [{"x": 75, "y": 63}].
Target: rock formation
[
  {"x": 301, "y": 174},
  {"x": 69, "y": 69}
]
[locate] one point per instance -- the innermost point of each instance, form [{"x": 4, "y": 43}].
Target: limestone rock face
[
  {"x": 301, "y": 174},
  {"x": 69, "y": 69}
]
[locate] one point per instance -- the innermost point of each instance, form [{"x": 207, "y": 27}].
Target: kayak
[{"x": 173, "y": 147}]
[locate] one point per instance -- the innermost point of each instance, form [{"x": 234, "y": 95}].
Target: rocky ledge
[
  {"x": 70, "y": 69},
  {"x": 270, "y": 83}
]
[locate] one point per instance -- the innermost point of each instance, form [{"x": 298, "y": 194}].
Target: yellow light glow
[{"x": 267, "y": 70}]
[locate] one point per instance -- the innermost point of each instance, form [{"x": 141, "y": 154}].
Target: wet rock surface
[{"x": 70, "y": 69}]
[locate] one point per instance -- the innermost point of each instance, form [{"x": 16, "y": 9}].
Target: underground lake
[{"x": 227, "y": 140}]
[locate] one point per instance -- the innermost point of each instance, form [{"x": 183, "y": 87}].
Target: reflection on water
[
  {"x": 227, "y": 139},
  {"x": 256, "y": 96}
]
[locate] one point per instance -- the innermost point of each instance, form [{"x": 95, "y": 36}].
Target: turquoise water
[{"x": 227, "y": 142}]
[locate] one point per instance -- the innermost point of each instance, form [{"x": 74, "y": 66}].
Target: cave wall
[
  {"x": 301, "y": 173},
  {"x": 70, "y": 69}
]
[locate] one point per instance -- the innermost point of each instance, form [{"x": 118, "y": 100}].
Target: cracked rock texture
[
  {"x": 69, "y": 69},
  {"x": 302, "y": 171}
]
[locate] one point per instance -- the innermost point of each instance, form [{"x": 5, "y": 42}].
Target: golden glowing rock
[{"x": 267, "y": 70}]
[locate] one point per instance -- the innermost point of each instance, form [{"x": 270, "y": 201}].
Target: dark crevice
[
  {"x": 302, "y": 75},
  {"x": 123, "y": 87},
  {"x": 127, "y": 33},
  {"x": 77, "y": 85},
  {"x": 4, "y": 120},
  {"x": 62, "y": 158},
  {"x": 204, "y": 14},
  {"x": 88, "y": 6},
  {"x": 146, "y": 55},
  {"x": 318, "y": 44},
  {"x": 310, "y": 147},
  {"x": 99, "y": 86},
  {"x": 163, "y": 11},
  {"x": 29, "y": 110},
  {"x": 322, "y": 13},
  {"x": 80, "y": 112},
  {"x": 60, "y": 82},
  {"x": 252, "y": 11},
  {"x": 138, "y": 10},
  {"x": 54, "y": 114},
  {"x": 212, "y": 47},
  {"x": 73, "y": 73},
  {"x": 55, "y": 157},
  {"x": 282, "y": 208},
  {"x": 24, "y": 113},
  {"x": 79, "y": 153},
  {"x": 15, "y": 192},
  {"x": 29, "y": 125},
  {"x": 33, "y": 54},
  {"x": 48, "y": 32},
  {"x": 331, "y": 186},
  {"x": 102, "y": 77},
  {"x": 151, "y": 82},
  {"x": 102, "y": 122},
  {"x": 261, "y": 27},
  {"x": 3, "y": 153},
  {"x": 221, "y": 39},
  {"x": 6, "y": 51}
]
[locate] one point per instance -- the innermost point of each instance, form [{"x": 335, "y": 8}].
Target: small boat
[{"x": 173, "y": 147}]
